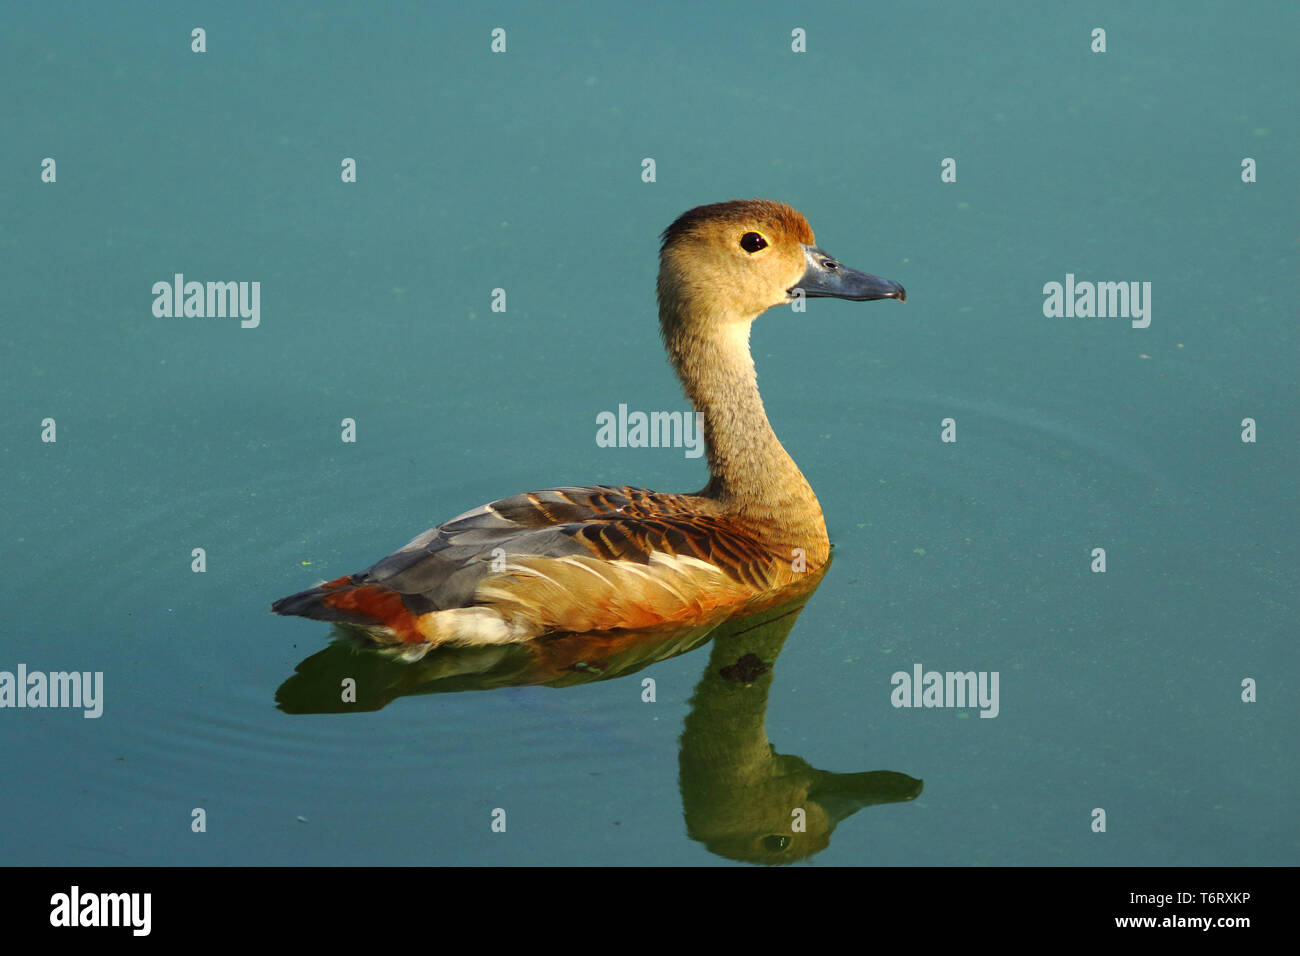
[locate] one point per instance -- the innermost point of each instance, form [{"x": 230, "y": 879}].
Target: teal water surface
[{"x": 523, "y": 170}]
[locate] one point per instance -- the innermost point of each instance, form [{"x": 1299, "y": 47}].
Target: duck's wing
[{"x": 573, "y": 558}]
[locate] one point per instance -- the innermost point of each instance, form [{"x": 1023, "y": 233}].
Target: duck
[{"x": 609, "y": 558}]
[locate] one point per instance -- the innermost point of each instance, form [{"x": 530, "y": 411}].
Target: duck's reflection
[{"x": 740, "y": 798}]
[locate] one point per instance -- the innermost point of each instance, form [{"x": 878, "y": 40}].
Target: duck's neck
[{"x": 751, "y": 475}]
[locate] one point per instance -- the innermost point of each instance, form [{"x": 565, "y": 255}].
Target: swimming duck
[{"x": 604, "y": 558}]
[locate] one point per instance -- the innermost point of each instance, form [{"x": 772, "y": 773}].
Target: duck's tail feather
[
  {"x": 385, "y": 617},
  {"x": 343, "y": 601}
]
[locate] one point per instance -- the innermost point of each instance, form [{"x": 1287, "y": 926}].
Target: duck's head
[{"x": 742, "y": 257}]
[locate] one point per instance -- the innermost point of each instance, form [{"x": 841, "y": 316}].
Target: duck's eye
[{"x": 752, "y": 242}]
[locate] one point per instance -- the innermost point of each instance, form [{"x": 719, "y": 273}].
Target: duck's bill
[{"x": 825, "y": 277}]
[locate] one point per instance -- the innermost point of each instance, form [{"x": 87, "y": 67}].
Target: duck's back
[{"x": 595, "y": 558}]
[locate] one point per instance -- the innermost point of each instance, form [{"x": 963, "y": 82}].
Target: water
[{"x": 522, "y": 171}]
